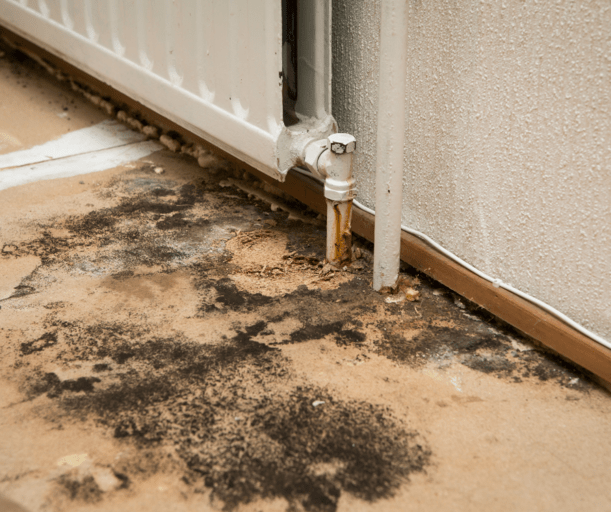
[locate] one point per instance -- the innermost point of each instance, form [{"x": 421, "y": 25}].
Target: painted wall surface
[{"x": 508, "y": 145}]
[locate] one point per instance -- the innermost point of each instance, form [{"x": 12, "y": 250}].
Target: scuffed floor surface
[{"x": 169, "y": 343}]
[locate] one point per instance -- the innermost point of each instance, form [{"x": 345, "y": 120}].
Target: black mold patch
[
  {"x": 229, "y": 296},
  {"x": 163, "y": 192},
  {"x": 150, "y": 253},
  {"x": 490, "y": 364},
  {"x": 105, "y": 226},
  {"x": 9, "y": 248},
  {"x": 51, "y": 384},
  {"x": 311, "y": 454},
  {"x": 479, "y": 351},
  {"x": 237, "y": 419},
  {"x": 22, "y": 290},
  {"x": 143, "y": 206},
  {"x": 46, "y": 247},
  {"x": 77, "y": 489},
  {"x": 247, "y": 335},
  {"x": 471, "y": 341},
  {"x": 434, "y": 341},
  {"x": 125, "y": 274},
  {"x": 84, "y": 384},
  {"x": 174, "y": 222},
  {"x": 342, "y": 336},
  {"x": 93, "y": 223},
  {"x": 48, "y": 339},
  {"x": 102, "y": 221},
  {"x": 154, "y": 228},
  {"x": 476, "y": 347},
  {"x": 553, "y": 367}
]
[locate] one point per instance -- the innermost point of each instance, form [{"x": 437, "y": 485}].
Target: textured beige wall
[{"x": 508, "y": 146}]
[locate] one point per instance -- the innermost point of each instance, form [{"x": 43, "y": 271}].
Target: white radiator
[{"x": 212, "y": 66}]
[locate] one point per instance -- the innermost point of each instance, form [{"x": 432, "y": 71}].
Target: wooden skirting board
[{"x": 523, "y": 315}]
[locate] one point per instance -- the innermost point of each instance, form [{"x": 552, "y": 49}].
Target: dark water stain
[{"x": 237, "y": 418}]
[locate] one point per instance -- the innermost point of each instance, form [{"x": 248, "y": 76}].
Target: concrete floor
[{"x": 169, "y": 343}]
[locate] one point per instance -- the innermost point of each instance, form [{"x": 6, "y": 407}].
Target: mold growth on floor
[
  {"x": 205, "y": 378},
  {"x": 235, "y": 414}
]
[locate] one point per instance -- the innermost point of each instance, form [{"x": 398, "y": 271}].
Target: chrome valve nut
[{"x": 341, "y": 143}]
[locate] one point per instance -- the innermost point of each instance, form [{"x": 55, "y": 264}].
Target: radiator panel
[{"x": 212, "y": 66}]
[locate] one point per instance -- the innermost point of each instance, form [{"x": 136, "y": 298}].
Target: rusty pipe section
[
  {"x": 339, "y": 232},
  {"x": 331, "y": 160}
]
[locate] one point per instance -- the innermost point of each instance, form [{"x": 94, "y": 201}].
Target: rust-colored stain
[{"x": 343, "y": 235}]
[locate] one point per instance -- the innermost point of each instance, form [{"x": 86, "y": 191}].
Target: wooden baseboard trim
[{"x": 523, "y": 315}]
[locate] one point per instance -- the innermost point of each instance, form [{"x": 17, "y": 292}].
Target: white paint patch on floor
[
  {"x": 78, "y": 164},
  {"x": 104, "y": 135}
]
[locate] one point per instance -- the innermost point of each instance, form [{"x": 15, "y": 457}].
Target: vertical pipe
[{"x": 390, "y": 137}]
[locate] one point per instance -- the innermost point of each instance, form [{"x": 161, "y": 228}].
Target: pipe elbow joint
[
  {"x": 331, "y": 160},
  {"x": 336, "y": 164}
]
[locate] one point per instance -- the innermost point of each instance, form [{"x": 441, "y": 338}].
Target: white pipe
[
  {"x": 390, "y": 137},
  {"x": 496, "y": 282}
]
